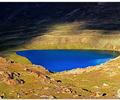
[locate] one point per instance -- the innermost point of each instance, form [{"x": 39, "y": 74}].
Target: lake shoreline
[{"x": 24, "y": 59}]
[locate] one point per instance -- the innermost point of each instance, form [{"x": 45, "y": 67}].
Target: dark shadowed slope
[{"x": 20, "y": 22}]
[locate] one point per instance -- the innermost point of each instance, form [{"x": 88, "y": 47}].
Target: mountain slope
[{"x": 58, "y": 26}]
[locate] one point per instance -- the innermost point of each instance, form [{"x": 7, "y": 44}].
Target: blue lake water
[{"x": 61, "y": 60}]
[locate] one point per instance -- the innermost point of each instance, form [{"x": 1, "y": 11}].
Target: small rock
[
  {"x": 97, "y": 94},
  {"x": 67, "y": 90},
  {"x": 104, "y": 94},
  {"x": 52, "y": 79},
  {"x": 36, "y": 94},
  {"x": 20, "y": 81},
  {"x": 118, "y": 93},
  {"x": 52, "y": 97},
  {"x": 26, "y": 93},
  {"x": 104, "y": 84},
  {"x": 87, "y": 90},
  {"x": 1, "y": 97},
  {"x": 58, "y": 91},
  {"x": 79, "y": 95},
  {"x": 47, "y": 97},
  {"x": 1, "y": 72},
  {"x": 12, "y": 62},
  {"x": 44, "y": 96},
  {"x": 118, "y": 66},
  {"x": 75, "y": 95},
  {"x": 58, "y": 81},
  {"x": 18, "y": 95},
  {"x": 96, "y": 87}
]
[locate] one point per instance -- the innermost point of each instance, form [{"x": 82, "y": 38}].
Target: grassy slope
[
  {"x": 100, "y": 80},
  {"x": 34, "y": 87},
  {"x": 67, "y": 36}
]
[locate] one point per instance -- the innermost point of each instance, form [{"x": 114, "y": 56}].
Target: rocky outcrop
[
  {"x": 38, "y": 73},
  {"x": 12, "y": 78},
  {"x": 10, "y": 75}
]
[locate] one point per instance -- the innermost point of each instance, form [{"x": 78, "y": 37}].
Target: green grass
[{"x": 17, "y": 58}]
